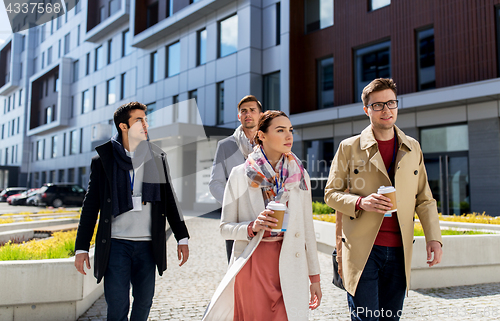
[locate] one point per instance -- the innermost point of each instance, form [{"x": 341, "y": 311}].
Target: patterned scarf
[
  {"x": 244, "y": 144},
  {"x": 275, "y": 185}
]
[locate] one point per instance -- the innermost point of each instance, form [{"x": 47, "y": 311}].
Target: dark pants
[
  {"x": 381, "y": 288},
  {"x": 229, "y": 249},
  {"x": 130, "y": 262}
]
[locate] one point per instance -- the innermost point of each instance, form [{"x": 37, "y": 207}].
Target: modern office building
[{"x": 191, "y": 62}]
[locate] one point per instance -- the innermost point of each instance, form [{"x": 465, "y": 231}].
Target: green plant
[
  {"x": 322, "y": 208},
  {"x": 60, "y": 245},
  {"x": 417, "y": 230}
]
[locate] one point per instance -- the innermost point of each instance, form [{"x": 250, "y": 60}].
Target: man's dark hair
[
  {"x": 122, "y": 113},
  {"x": 249, "y": 98},
  {"x": 378, "y": 84}
]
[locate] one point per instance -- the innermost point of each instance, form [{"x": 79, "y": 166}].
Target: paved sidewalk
[{"x": 182, "y": 293}]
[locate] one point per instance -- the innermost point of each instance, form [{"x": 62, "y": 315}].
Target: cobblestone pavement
[{"x": 182, "y": 293}]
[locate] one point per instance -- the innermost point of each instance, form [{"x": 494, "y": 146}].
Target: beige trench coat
[
  {"x": 298, "y": 257},
  {"x": 359, "y": 166}
]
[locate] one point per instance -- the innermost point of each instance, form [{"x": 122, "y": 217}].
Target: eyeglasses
[{"x": 378, "y": 106}]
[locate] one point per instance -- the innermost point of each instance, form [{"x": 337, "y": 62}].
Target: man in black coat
[{"x": 130, "y": 187}]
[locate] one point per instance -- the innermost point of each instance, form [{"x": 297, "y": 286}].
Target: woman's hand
[
  {"x": 264, "y": 221},
  {"x": 315, "y": 301}
]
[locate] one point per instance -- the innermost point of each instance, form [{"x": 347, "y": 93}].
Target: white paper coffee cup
[
  {"x": 389, "y": 191},
  {"x": 279, "y": 210}
]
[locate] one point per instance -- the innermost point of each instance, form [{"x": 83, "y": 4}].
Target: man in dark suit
[{"x": 130, "y": 187}]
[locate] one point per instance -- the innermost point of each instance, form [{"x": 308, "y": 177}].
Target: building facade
[{"x": 191, "y": 62}]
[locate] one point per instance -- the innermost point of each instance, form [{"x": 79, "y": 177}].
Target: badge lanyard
[
  {"x": 132, "y": 179},
  {"x": 279, "y": 186}
]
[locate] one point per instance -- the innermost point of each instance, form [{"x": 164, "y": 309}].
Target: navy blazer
[{"x": 98, "y": 199}]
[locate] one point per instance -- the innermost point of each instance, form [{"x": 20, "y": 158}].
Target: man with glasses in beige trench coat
[{"x": 377, "y": 248}]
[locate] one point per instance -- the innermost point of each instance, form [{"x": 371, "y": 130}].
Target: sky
[{"x": 5, "y": 29}]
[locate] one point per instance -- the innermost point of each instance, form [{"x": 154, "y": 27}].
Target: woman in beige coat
[{"x": 268, "y": 276}]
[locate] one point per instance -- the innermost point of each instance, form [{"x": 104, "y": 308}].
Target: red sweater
[{"x": 389, "y": 233}]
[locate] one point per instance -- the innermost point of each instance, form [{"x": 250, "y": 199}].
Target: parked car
[
  {"x": 11, "y": 191},
  {"x": 22, "y": 198},
  {"x": 12, "y": 197},
  {"x": 57, "y": 194}
]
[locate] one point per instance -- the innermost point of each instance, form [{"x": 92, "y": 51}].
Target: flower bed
[{"x": 61, "y": 245}]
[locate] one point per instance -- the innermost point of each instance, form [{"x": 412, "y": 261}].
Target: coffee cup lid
[
  {"x": 276, "y": 206},
  {"x": 386, "y": 189}
]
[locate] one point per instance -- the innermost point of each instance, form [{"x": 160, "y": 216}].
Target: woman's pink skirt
[{"x": 257, "y": 288}]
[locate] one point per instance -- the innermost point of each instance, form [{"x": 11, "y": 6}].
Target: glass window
[
  {"x": 175, "y": 112},
  {"x": 220, "y": 103},
  {"x": 278, "y": 23},
  {"x": 371, "y": 62},
  {"x": 78, "y": 36},
  {"x": 228, "y": 36},
  {"x": 59, "y": 49},
  {"x": 152, "y": 15},
  {"x": 325, "y": 83},
  {"x": 18, "y": 124},
  {"x": 126, "y": 47},
  {"x": 71, "y": 175},
  {"x": 73, "y": 142},
  {"x": 39, "y": 150},
  {"x": 99, "y": 58},
  {"x": 318, "y": 14},
  {"x": 85, "y": 101},
  {"x": 426, "y": 61},
  {"x": 114, "y": 6},
  {"x": 149, "y": 112},
  {"x": 110, "y": 50},
  {"x": 110, "y": 91},
  {"x": 123, "y": 86},
  {"x": 94, "y": 98},
  {"x": 20, "y": 96},
  {"x": 66, "y": 43},
  {"x": 272, "y": 91},
  {"x": 53, "y": 154},
  {"x": 49, "y": 55},
  {"x": 193, "y": 108},
  {"x": 173, "y": 59},
  {"x": 76, "y": 67},
  {"x": 445, "y": 139},
  {"x": 64, "y": 144},
  {"x": 102, "y": 14},
  {"x": 202, "y": 47},
  {"x": 57, "y": 83},
  {"x": 318, "y": 155},
  {"x": 153, "y": 67},
  {"x": 87, "y": 67},
  {"x": 81, "y": 141},
  {"x": 498, "y": 38},
  {"x": 42, "y": 34},
  {"x": 377, "y": 4},
  {"x": 43, "y": 60},
  {"x": 49, "y": 115},
  {"x": 78, "y": 6},
  {"x": 170, "y": 7}
]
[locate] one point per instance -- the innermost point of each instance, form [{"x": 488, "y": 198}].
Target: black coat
[{"x": 98, "y": 198}]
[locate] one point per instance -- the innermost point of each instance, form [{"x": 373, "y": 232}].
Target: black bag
[{"x": 337, "y": 279}]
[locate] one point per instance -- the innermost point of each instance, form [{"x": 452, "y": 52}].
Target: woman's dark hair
[{"x": 265, "y": 121}]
